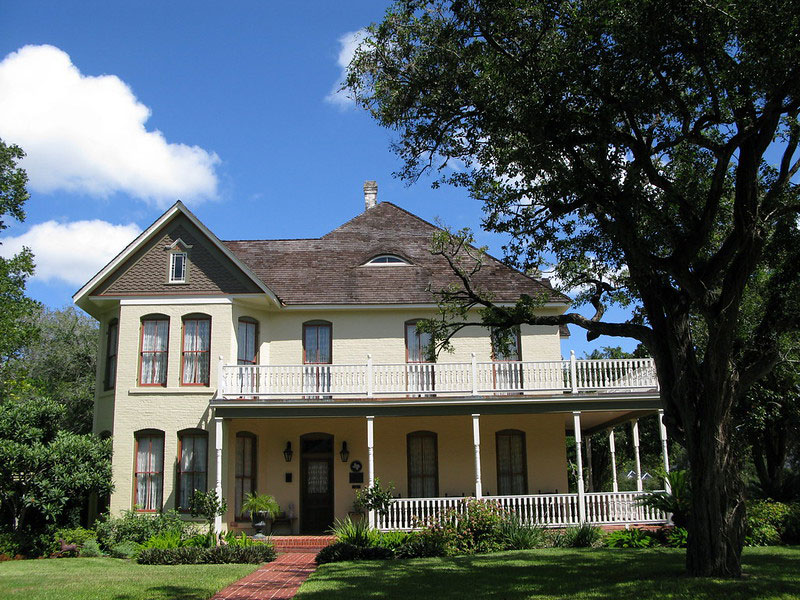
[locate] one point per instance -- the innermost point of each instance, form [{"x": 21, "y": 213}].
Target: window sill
[{"x": 170, "y": 391}]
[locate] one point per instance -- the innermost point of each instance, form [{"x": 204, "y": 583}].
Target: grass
[
  {"x": 113, "y": 579},
  {"x": 597, "y": 574}
]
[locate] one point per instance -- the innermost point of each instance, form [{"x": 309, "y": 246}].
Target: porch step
[{"x": 301, "y": 543}]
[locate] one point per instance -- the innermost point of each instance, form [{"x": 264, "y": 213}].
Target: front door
[{"x": 316, "y": 482}]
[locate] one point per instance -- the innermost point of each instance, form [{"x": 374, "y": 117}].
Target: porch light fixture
[
  {"x": 287, "y": 453},
  {"x": 344, "y": 453}
]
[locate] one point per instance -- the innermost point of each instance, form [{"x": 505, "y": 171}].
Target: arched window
[
  {"x": 196, "y": 350},
  {"x": 383, "y": 260},
  {"x": 247, "y": 341},
  {"x": 512, "y": 463},
  {"x": 246, "y": 469},
  {"x": 423, "y": 464},
  {"x": 192, "y": 465},
  {"x": 112, "y": 341},
  {"x": 149, "y": 473},
  {"x": 154, "y": 346}
]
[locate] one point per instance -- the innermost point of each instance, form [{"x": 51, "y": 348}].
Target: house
[{"x": 295, "y": 368}]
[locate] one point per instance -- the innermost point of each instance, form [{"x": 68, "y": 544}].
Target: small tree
[
  {"x": 209, "y": 506},
  {"x": 375, "y": 498}
]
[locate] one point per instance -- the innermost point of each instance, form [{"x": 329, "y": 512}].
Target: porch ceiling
[{"x": 592, "y": 422}]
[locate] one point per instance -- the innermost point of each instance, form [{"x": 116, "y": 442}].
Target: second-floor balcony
[{"x": 316, "y": 382}]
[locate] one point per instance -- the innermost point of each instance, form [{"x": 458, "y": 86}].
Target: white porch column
[
  {"x": 590, "y": 483},
  {"x": 576, "y": 419},
  {"x": 371, "y": 461},
  {"x": 613, "y": 449},
  {"x": 662, "y": 431},
  {"x": 476, "y": 440},
  {"x": 635, "y": 427},
  {"x": 218, "y": 446}
]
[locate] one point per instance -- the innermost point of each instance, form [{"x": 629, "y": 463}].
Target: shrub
[
  {"x": 91, "y": 549},
  {"x": 358, "y": 533},
  {"x": 393, "y": 539},
  {"x": 377, "y": 498},
  {"x": 765, "y": 523},
  {"x": 676, "y": 537},
  {"x": 421, "y": 545},
  {"x": 75, "y": 535},
  {"x": 791, "y": 529},
  {"x": 583, "y": 536},
  {"x": 136, "y": 527},
  {"x": 630, "y": 538},
  {"x": 519, "y": 536},
  {"x": 201, "y": 540},
  {"x": 475, "y": 527},
  {"x": 336, "y": 552},
  {"x": 10, "y": 545},
  {"x": 165, "y": 540},
  {"x": 126, "y": 549},
  {"x": 678, "y": 501},
  {"x": 207, "y": 505},
  {"x": 258, "y": 552}
]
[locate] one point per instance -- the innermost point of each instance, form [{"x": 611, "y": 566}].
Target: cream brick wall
[{"x": 379, "y": 332}]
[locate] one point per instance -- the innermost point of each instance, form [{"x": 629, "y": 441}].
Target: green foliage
[
  {"x": 582, "y": 536},
  {"x": 422, "y": 545},
  {"x": 358, "y": 532},
  {"x": 166, "y": 539},
  {"x": 260, "y": 504},
  {"x": 73, "y": 535},
  {"x": 340, "y": 551},
  {"x": 44, "y": 471},
  {"x": 207, "y": 505},
  {"x": 630, "y": 538},
  {"x": 136, "y": 527},
  {"x": 258, "y": 552},
  {"x": 91, "y": 549},
  {"x": 394, "y": 539},
  {"x": 791, "y": 531},
  {"x": 377, "y": 498},
  {"x": 766, "y": 523},
  {"x": 474, "y": 527},
  {"x": 676, "y": 537},
  {"x": 519, "y": 536},
  {"x": 126, "y": 549},
  {"x": 9, "y": 544},
  {"x": 677, "y": 501}
]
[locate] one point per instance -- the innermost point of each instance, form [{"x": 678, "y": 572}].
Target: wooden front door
[{"x": 316, "y": 482}]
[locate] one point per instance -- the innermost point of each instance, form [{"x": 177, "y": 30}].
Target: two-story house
[{"x": 295, "y": 368}]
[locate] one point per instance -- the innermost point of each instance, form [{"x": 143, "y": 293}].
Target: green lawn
[
  {"x": 604, "y": 574},
  {"x": 112, "y": 579}
]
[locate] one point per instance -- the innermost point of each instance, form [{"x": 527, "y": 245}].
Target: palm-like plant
[
  {"x": 677, "y": 502},
  {"x": 260, "y": 506}
]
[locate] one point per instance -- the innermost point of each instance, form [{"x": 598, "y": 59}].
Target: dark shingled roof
[{"x": 328, "y": 270}]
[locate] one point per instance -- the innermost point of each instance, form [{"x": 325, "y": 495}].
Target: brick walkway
[{"x": 278, "y": 580}]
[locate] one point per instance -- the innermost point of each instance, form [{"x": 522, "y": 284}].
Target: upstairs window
[
  {"x": 177, "y": 267},
  {"x": 112, "y": 337},
  {"x": 196, "y": 352},
  {"x": 417, "y": 343},
  {"x": 317, "y": 342},
  {"x": 505, "y": 345},
  {"x": 387, "y": 259},
  {"x": 153, "y": 355},
  {"x": 247, "y": 341}
]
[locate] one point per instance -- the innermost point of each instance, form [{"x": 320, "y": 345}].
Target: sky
[{"x": 125, "y": 107}]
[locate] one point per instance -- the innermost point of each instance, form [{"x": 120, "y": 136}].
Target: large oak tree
[{"x": 649, "y": 150}]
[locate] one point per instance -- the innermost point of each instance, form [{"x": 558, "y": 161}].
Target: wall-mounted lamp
[
  {"x": 345, "y": 453},
  {"x": 287, "y": 453}
]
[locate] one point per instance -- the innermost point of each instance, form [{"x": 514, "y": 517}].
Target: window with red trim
[
  {"x": 192, "y": 465},
  {"x": 153, "y": 354},
  {"x": 149, "y": 473},
  {"x": 317, "y": 342},
  {"x": 196, "y": 350}
]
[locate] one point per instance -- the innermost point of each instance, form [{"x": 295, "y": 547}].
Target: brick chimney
[{"x": 370, "y": 194}]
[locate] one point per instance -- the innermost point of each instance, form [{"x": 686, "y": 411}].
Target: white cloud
[
  {"x": 87, "y": 134},
  {"x": 71, "y": 252},
  {"x": 349, "y": 44}
]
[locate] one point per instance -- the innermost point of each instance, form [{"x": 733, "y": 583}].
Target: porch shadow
[{"x": 602, "y": 574}]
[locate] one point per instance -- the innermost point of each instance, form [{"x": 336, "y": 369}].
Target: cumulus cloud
[
  {"x": 87, "y": 134},
  {"x": 71, "y": 252},
  {"x": 349, "y": 43}
]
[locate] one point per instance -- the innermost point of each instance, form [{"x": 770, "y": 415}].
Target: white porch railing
[
  {"x": 435, "y": 379},
  {"x": 546, "y": 510}
]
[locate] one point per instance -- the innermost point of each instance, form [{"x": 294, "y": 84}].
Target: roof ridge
[{"x": 273, "y": 240}]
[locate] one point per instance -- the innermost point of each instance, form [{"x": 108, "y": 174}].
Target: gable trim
[{"x": 147, "y": 235}]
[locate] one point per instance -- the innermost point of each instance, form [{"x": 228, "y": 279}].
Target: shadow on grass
[
  {"x": 168, "y": 592},
  {"x": 597, "y": 574}
]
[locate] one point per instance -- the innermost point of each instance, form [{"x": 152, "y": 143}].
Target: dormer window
[
  {"x": 383, "y": 260},
  {"x": 177, "y": 267}
]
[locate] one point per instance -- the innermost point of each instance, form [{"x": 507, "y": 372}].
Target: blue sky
[{"x": 125, "y": 107}]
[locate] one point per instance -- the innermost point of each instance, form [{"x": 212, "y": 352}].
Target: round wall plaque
[{"x": 356, "y": 466}]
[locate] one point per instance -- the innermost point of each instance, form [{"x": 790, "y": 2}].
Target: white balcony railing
[
  {"x": 474, "y": 378},
  {"x": 546, "y": 510}
]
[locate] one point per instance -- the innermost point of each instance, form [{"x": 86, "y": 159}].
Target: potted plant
[{"x": 260, "y": 507}]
